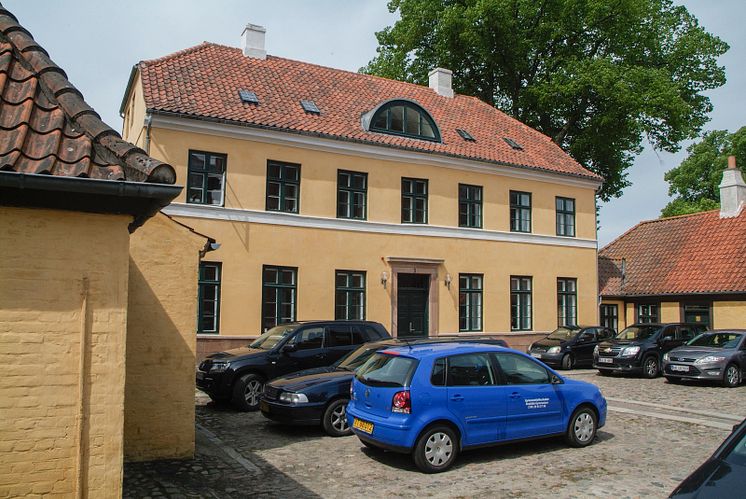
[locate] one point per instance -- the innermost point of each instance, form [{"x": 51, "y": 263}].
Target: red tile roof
[
  {"x": 204, "y": 82},
  {"x": 46, "y": 127},
  {"x": 690, "y": 254}
]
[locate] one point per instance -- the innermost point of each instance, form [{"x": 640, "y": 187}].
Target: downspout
[
  {"x": 148, "y": 123},
  {"x": 81, "y": 457}
]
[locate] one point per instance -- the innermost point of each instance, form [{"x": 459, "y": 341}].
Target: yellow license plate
[{"x": 361, "y": 425}]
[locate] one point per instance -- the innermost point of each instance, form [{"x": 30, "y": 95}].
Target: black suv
[
  {"x": 639, "y": 348},
  {"x": 569, "y": 346},
  {"x": 239, "y": 375}
]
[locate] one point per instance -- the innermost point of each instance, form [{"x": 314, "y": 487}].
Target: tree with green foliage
[
  {"x": 597, "y": 76},
  {"x": 695, "y": 182}
]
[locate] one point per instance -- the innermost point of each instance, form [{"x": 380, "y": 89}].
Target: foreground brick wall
[
  {"x": 63, "y": 278},
  {"x": 161, "y": 341}
]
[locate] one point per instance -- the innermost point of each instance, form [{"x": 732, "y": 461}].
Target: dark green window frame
[
  {"x": 610, "y": 316},
  {"x": 283, "y": 187},
  {"x": 278, "y": 292},
  {"x": 208, "y": 305},
  {"x": 567, "y": 301},
  {"x": 352, "y": 195},
  {"x": 521, "y": 303},
  {"x": 470, "y": 308},
  {"x": 565, "y": 208},
  {"x": 406, "y": 119},
  {"x": 470, "y": 206},
  {"x": 349, "y": 296},
  {"x": 520, "y": 211},
  {"x": 414, "y": 192},
  {"x": 647, "y": 313},
  {"x": 206, "y": 178}
]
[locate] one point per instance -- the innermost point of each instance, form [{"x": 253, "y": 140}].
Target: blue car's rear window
[{"x": 383, "y": 369}]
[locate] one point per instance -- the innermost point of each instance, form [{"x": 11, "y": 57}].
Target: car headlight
[
  {"x": 219, "y": 366},
  {"x": 665, "y": 357},
  {"x": 293, "y": 398},
  {"x": 553, "y": 350},
  {"x": 630, "y": 351},
  {"x": 595, "y": 350},
  {"x": 710, "y": 359}
]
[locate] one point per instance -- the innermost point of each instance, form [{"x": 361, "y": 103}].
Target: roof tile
[
  {"x": 46, "y": 127},
  {"x": 691, "y": 254},
  {"x": 203, "y": 81}
]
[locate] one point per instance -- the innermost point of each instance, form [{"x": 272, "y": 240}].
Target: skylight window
[
  {"x": 248, "y": 96},
  {"x": 465, "y": 135},
  {"x": 310, "y": 106},
  {"x": 512, "y": 143}
]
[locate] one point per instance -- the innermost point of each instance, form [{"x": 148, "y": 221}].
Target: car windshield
[
  {"x": 563, "y": 333},
  {"x": 637, "y": 333},
  {"x": 737, "y": 454},
  {"x": 716, "y": 340},
  {"x": 356, "y": 358},
  {"x": 271, "y": 338},
  {"x": 384, "y": 369}
]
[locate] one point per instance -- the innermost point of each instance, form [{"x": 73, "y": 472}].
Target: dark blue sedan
[{"x": 433, "y": 401}]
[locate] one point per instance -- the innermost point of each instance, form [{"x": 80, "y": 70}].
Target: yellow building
[
  {"x": 341, "y": 195},
  {"x": 689, "y": 268},
  {"x": 97, "y": 291}
]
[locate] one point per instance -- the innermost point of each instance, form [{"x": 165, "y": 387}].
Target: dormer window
[{"x": 400, "y": 117}]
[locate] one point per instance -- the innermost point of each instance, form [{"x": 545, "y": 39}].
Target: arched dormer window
[{"x": 405, "y": 118}]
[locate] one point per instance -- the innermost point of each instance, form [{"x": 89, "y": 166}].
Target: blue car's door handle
[
  {"x": 457, "y": 398},
  {"x": 515, "y": 395}
]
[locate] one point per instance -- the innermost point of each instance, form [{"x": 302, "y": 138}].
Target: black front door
[{"x": 412, "y": 300}]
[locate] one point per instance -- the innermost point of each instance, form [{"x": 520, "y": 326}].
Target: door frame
[{"x": 426, "y": 266}]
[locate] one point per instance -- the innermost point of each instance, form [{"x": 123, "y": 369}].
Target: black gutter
[{"x": 139, "y": 199}]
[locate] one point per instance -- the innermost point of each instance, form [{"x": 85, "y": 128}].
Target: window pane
[
  {"x": 273, "y": 171},
  {"x": 412, "y": 121},
  {"x": 397, "y": 119},
  {"x": 197, "y": 161},
  {"x": 380, "y": 120},
  {"x": 469, "y": 370},
  {"x": 521, "y": 370},
  {"x": 427, "y": 129}
]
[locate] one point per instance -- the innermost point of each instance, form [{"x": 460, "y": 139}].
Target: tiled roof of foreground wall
[
  {"x": 46, "y": 127},
  {"x": 690, "y": 254},
  {"x": 204, "y": 82}
]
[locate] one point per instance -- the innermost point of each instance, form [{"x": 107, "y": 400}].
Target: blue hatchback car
[{"x": 435, "y": 400}]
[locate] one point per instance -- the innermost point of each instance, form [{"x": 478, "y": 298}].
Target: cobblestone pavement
[{"x": 245, "y": 455}]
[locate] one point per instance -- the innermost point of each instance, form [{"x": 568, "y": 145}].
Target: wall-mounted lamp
[
  {"x": 384, "y": 279},
  {"x": 448, "y": 281}
]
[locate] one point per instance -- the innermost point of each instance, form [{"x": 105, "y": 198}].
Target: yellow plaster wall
[
  {"x": 317, "y": 253},
  {"x": 161, "y": 341},
  {"x": 670, "y": 311},
  {"x": 47, "y": 258},
  {"x": 247, "y": 170},
  {"x": 729, "y": 314},
  {"x": 630, "y": 314},
  {"x": 133, "y": 124}
]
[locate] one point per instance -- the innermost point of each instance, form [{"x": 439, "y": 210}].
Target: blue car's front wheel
[{"x": 582, "y": 427}]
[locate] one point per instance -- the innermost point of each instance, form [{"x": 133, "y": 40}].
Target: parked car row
[{"x": 435, "y": 397}]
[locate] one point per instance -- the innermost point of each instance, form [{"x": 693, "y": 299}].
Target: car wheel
[
  {"x": 731, "y": 376},
  {"x": 650, "y": 367},
  {"x": 567, "y": 362},
  {"x": 247, "y": 391},
  {"x": 436, "y": 449},
  {"x": 604, "y": 372},
  {"x": 582, "y": 428},
  {"x": 673, "y": 380},
  {"x": 335, "y": 419}
]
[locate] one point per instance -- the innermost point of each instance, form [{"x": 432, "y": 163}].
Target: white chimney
[
  {"x": 440, "y": 81},
  {"x": 252, "y": 41},
  {"x": 732, "y": 191}
]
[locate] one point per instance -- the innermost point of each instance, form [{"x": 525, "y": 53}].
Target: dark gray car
[{"x": 713, "y": 355}]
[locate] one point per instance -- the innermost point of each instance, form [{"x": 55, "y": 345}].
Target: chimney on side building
[
  {"x": 732, "y": 191},
  {"x": 252, "y": 41},
  {"x": 440, "y": 81}
]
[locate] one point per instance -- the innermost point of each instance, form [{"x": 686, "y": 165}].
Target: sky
[{"x": 97, "y": 42}]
